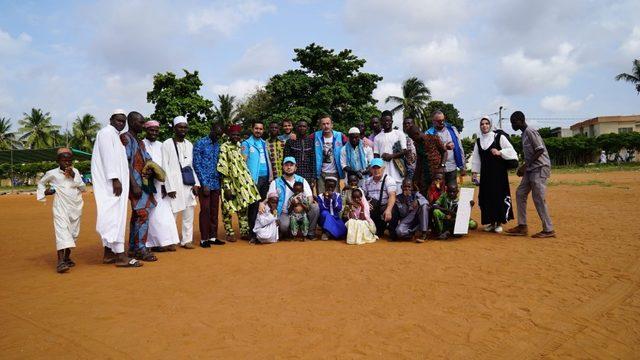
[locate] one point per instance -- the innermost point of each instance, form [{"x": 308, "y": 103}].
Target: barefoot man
[{"x": 110, "y": 175}]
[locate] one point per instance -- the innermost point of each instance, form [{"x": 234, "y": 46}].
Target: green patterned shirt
[{"x": 236, "y": 178}]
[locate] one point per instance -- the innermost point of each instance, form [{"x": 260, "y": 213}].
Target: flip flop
[
  {"x": 132, "y": 263},
  {"x": 145, "y": 256}
]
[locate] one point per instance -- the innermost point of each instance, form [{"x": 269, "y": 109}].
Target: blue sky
[{"x": 554, "y": 60}]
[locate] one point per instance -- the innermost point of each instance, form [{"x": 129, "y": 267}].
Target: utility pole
[{"x": 500, "y": 117}]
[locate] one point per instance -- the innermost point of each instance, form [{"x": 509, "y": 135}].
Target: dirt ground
[{"x": 483, "y": 296}]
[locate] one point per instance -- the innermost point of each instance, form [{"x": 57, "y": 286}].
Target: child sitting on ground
[
  {"x": 352, "y": 183},
  {"x": 266, "y": 228},
  {"x": 444, "y": 212},
  {"x": 436, "y": 188},
  {"x": 330, "y": 206},
  {"x": 66, "y": 185},
  {"x": 413, "y": 214},
  {"x": 298, "y": 207},
  {"x": 360, "y": 227}
]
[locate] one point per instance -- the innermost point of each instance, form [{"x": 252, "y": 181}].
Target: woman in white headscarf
[{"x": 489, "y": 160}]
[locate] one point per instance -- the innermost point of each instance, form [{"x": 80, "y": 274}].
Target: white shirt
[
  {"x": 328, "y": 162},
  {"x": 108, "y": 162},
  {"x": 184, "y": 195},
  {"x": 508, "y": 152},
  {"x": 383, "y": 144},
  {"x": 288, "y": 193}
]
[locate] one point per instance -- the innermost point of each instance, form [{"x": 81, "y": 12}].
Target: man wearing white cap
[
  {"x": 355, "y": 156},
  {"x": 181, "y": 183},
  {"x": 110, "y": 176},
  {"x": 163, "y": 233}
]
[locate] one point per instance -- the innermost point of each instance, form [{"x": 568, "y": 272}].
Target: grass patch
[
  {"x": 581, "y": 183},
  {"x": 596, "y": 168}
]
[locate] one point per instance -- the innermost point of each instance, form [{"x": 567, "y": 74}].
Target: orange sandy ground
[{"x": 483, "y": 296}]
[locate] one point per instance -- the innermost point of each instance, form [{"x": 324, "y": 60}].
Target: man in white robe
[
  {"x": 177, "y": 153},
  {"x": 110, "y": 177},
  {"x": 163, "y": 233},
  {"x": 66, "y": 186}
]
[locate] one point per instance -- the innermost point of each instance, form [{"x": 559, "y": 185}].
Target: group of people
[{"x": 289, "y": 183}]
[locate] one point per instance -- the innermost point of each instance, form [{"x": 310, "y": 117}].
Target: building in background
[
  {"x": 606, "y": 125},
  {"x": 561, "y": 132}
]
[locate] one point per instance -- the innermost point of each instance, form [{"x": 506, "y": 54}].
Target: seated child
[
  {"x": 444, "y": 212},
  {"x": 360, "y": 227},
  {"x": 266, "y": 228},
  {"x": 352, "y": 183},
  {"x": 436, "y": 188},
  {"x": 413, "y": 213},
  {"x": 66, "y": 185},
  {"x": 330, "y": 206},
  {"x": 298, "y": 207}
]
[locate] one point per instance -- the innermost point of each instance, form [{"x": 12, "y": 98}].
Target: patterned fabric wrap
[{"x": 236, "y": 178}]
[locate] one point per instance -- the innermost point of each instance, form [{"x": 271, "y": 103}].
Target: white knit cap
[
  {"x": 118, "y": 112},
  {"x": 354, "y": 130},
  {"x": 179, "y": 119}
]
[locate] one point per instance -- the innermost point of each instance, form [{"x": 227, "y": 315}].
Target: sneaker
[
  {"x": 498, "y": 229},
  {"x": 489, "y": 228},
  {"x": 520, "y": 230}
]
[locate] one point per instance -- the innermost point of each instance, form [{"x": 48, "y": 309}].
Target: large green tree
[
  {"x": 84, "y": 133},
  {"x": 8, "y": 138},
  {"x": 256, "y": 106},
  {"x": 37, "y": 130},
  {"x": 634, "y": 77},
  {"x": 450, "y": 112},
  {"x": 226, "y": 112},
  {"x": 414, "y": 100},
  {"x": 326, "y": 83},
  {"x": 174, "y": 96}
]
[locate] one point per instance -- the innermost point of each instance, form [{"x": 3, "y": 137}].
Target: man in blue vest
[
  {"x": 328, "y": 144},
  {"x": 450, "y": 137},
  {"x": 283, "y": 186},
  {"x": 254, "y": 150}
]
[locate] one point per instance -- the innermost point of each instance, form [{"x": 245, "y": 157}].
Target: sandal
[
  {"x": 70, "y": 263},
  {"x": 109, "y": 260},
  {"x": 145, "y": 255},
  {"x": 62, "y": 268},
  {"x": 133, "y": 263}
]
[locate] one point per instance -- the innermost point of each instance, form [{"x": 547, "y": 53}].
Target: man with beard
[{"x": 450, "y": 137}]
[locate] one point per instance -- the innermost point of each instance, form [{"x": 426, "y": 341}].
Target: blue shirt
[
  {"x": 255, "y": 151},
  {"x": 205, "y": 162}
]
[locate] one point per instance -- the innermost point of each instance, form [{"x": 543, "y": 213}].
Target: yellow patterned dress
[{"x": 237, "y": 180}]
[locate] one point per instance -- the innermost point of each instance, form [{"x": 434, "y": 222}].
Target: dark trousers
[
  {"x": 377, "y": 213},
  {"x": 263, "y": 188},
  {"x": 209, "y": 214}
]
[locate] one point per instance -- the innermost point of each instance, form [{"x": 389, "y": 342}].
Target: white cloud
[
  {"x": 238, "y": 88},
  {"x": 128, "y": 93},
  {"x": 13, "y": 46},
  {"x": 384, "y": 90},
  {"x": 562, "y": 103},
  {"x": 631, "y": 46},
  {"x": 520, "y": 74},
  {"x": 445, "y": 88},
  {"x": 259, "y": 59},
  {"x": 226, "y": 18},
  {"x": 435, "y": 57}
]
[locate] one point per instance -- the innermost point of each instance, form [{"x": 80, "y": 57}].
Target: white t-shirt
[
  {"x": 328, "y": 161},
  {"x": 383, "y": 144},
  {"x": 288, "y": 193}
]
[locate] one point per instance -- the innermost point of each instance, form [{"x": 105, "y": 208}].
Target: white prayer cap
[
  {"x": 179, "y": 119},
  {"x": 354, "y": 130},
  {"x": 485, "y": 117},
  {"x": 118, "y": 112}
]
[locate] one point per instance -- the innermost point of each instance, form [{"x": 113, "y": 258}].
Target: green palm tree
[
  {"x": 37, "y": 130},
  {"x": 635, "y": 78},
  {"x": 415, "y": 98},
  {"x": 84, "y": 133},
  {"x": 227, "y": 111},
  {"x": 8, "y": 139}
]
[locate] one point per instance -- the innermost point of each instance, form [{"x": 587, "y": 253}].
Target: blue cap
[
  {"x": 290, "y": 159},
  {"x": 377, "y": 162}
]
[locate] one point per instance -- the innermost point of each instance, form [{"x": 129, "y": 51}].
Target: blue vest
[
  {"x": 281, "y": 188},
  {"x": 337, "y": 146},
  {"x": 457, "y": 152},
  {"x": 358, "y": 162},
  {"x": 251, "y": 149}
]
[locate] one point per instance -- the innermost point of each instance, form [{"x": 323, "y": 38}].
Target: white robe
[
  {"x": 109, "y": 161},
  {"x": 508, "y": 152},
  {"x": 184, "y": 195},
  {"x": 67, "y": 205},
  {"x": 162, "y": 226},
  {"x": 266, "y": 228}
]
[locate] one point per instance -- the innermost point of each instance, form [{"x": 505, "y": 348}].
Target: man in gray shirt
[
  {"x": 534, "y": 172},
  {"x": 452, "y": 141}
]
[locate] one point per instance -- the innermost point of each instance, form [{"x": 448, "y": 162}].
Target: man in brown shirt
[{"x": 534, "y": 172}]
